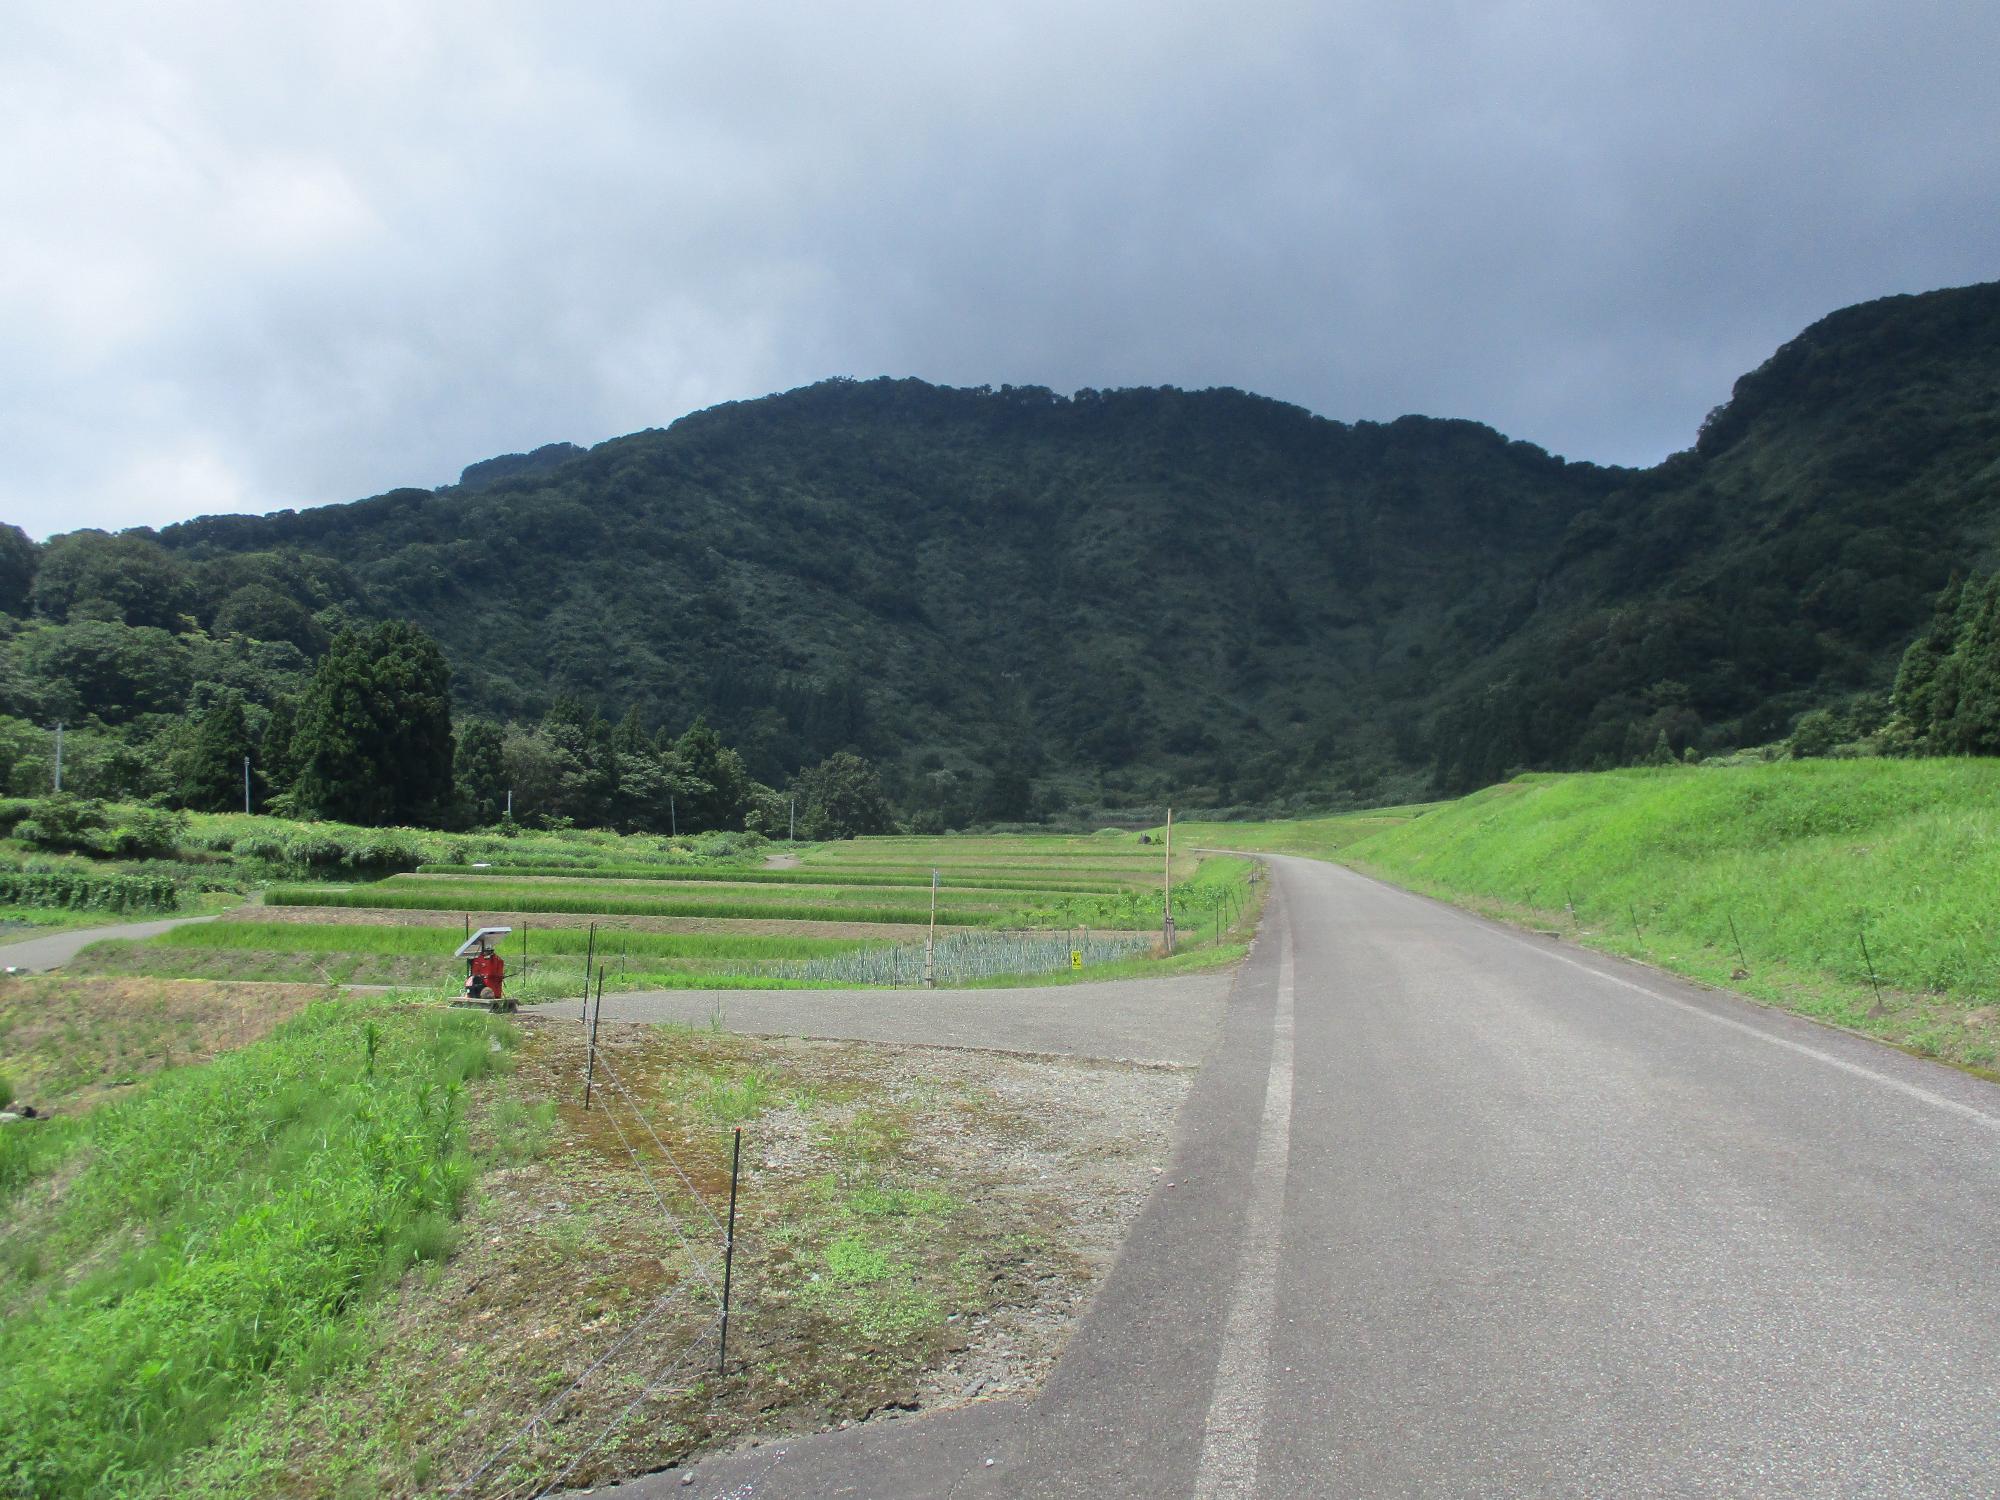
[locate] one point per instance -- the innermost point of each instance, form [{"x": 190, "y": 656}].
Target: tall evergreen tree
[
  {"x": 1966, "y": 712},
  {"x": 18, "y": 557},
  {"x": 840, "y": 798},
  {"x": 1915, "y": 696},
  {"x": 205, "y": 768},
  {"x": 716, "y": 787},
  {"x": 479, "y": 773},
  {"x": 374, "y": 740}
]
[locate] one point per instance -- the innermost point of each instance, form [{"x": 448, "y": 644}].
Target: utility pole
[
  {"x": 1167, "y": 883},
  {"x": 793, "y": 836},
  {"x": 246, "y": 783},
  {"x": 930, "y": 942},
  {"x": 673, "y": 815},
  {"x": 59, "y": 755},
  {"x": 510, "y": 804}
]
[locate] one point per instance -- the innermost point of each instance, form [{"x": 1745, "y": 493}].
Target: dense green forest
[{"x": 1015, "y": 603}]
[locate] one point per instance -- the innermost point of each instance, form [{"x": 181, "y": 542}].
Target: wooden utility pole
[{"x": 1167, "y": 885}]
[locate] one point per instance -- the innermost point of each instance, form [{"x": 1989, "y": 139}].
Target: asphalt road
[
  {"x": 1456, "y": 1211},
  {"x": 37, "y": 955}
]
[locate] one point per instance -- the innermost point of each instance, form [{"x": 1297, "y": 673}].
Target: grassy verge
[
  {"x": 1804, "y": 884},
  {"x": 170, "y": 1254},
  {"x": 1316, "y": 838}
]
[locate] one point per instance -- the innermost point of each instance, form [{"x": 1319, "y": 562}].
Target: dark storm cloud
[{"x": 253, "y": 256}]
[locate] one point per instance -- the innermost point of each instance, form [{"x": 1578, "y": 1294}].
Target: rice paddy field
[{"x": 645, "y": 915}]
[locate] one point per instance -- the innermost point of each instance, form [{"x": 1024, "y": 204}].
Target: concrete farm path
[
  {"x": 38, "y": 955},
  {"x": 1455, "y": 1211}
]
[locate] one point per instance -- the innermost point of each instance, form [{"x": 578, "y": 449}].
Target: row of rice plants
[
  {"x": 1116, "y": 911},
  {"x": 962, "y": 957},
  {"x": 589, "y": 903},
  {"x": 1003, "y": 863},
  {"x": 543, "y": 978},
  {"x": 1046, "y": 877},
  {"x": 337, "y": 937},
  {"x": 810, "y": 875},
  {"x": 470, "y": 888}
]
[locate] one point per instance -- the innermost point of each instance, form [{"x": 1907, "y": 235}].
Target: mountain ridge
[{"x": 1111, "y": 595}]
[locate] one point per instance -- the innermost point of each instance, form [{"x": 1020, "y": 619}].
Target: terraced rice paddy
[{"x": 855, "y": 913}]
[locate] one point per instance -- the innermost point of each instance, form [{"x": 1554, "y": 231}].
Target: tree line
[
  {"x": 1947, "y": 695},
  {"x": 167, "y": 694}
]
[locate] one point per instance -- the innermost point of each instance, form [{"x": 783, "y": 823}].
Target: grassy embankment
[
  {"x": 1807, "y": 860},
  {"x": 171, "y": 1253}
]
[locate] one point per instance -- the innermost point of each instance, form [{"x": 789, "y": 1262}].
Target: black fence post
[
  {"x": 729, "y": 1247},
  {"x": 590, "y": 1067}
]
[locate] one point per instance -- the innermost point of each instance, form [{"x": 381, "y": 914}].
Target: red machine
[{"x": 485, "y": 970}]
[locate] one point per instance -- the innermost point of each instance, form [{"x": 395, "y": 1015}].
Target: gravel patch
[{"x": 1172, "y": 1020}]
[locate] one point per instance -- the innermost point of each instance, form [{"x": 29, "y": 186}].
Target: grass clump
[
  {"x": 226, "y": 1224},
  {"x": 864, "y": 1243}
]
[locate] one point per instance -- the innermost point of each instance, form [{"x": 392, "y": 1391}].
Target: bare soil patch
[{"x": 918, "y": 1228}]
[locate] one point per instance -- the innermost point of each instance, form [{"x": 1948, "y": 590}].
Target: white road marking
[
  {"x": 1914, "y": 1091},
  {"x": 1242, "y": 1372}
]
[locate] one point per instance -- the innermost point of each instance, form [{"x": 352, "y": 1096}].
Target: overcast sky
[{"x": 257, "y": 255}]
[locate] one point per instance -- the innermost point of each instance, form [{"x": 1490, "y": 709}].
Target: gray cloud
[{"x": 255, "y": 256}]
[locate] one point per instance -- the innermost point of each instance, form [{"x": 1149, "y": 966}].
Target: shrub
[
  {"x": 145, "y": 833},
  {"x": 88, "y": 890},
  {"x": 1815, "y": 736},
  {"x": 65, "y": 823}
]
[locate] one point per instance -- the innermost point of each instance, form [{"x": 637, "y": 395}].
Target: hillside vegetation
[
  {"x": 1016, "y": 603},
  {"x": 1807, "y": 860}
]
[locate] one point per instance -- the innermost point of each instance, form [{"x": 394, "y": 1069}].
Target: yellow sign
[{"x": 1076, "y": 958}]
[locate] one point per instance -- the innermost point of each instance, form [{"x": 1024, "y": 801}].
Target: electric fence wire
[
  {"x": 672, "y": 1160},
  {"x": 666, "y": 1373},
  {"x": 659, "y": 1308},
  {"x": 672, "y": 1219}
]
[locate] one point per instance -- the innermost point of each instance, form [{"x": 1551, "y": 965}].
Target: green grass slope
[
  {"x": 171, "y": 1255},
  {"x": 1799, "y": 863}
]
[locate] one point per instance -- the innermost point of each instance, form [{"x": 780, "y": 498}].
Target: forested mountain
[{"x": 1014, "y": 600}]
